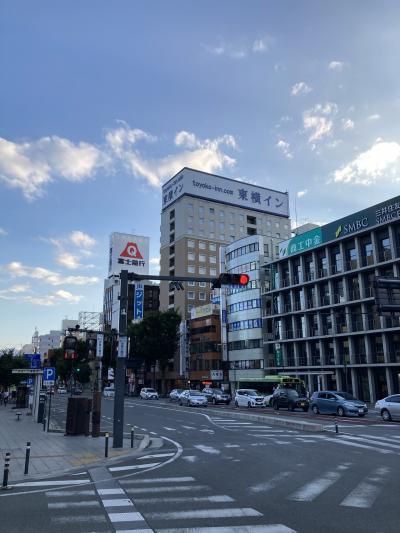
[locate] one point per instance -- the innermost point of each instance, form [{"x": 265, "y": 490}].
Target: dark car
[
  {"x": 217, "y": 396},
  {"x": 290, "y": 399},
  {"x": 337, "y": 402}
]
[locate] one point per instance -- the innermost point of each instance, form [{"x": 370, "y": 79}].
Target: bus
[{"x": 268, "y": 384}]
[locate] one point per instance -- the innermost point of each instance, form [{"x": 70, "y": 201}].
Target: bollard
[
  {"x": 6, "y": 470},
  {"x": 106, "y": 450},
  {"x": 27, "y": 455},
  {"x": 132, "y": 436},
  {"x": 336, "y": 426}
]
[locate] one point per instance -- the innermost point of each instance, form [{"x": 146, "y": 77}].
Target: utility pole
[{"x": 118, "y": 422}]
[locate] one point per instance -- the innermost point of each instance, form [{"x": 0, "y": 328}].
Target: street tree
[{"x": 9, "y": 362}]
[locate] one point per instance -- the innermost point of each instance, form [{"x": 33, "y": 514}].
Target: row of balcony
[{"x": 356, "y": 359}]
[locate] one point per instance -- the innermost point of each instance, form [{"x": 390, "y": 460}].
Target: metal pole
[
  {"x": 27, "y": 455},
  {"x": 106, "y": 449},
  {"x": 48, "y": 414},
  {"x": 6, "y": 470},
  {"x": 132, "y": 436},
  {"x": 118, "y": 423},
  {"x": 96, "y": 409},
  {"x": 336, "y": 425}
]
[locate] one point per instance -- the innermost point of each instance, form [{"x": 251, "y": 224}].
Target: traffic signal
[
  {"x": 70, "y": 347},
  {"x": 231, "y": 279}
]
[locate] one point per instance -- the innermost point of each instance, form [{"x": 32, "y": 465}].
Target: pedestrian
[{"x": 6, "y": 394}]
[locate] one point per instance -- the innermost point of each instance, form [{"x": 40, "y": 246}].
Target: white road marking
[
  {"x": 357, "y": 445},
  {"x": 271, "y": 483},
  {"x": 186, "y": 499},
  {"x": 379, "y": 438},
  {"x": 282, "y": 442},
  {"x": 232, "y": 446},
  {"x": 62, "y": 493},
  {"x": 68, "y": 519},
  {"x": 366, "y": 492},
  {"x": 169, "y": 429},
  {"x": 69, "y": 505},
  {"x": 207, "y": 431},
  {"x": 207, "y": 449},
  {"x": 157, "y": 480},
  {"x": 190, "y": 458},
  {"x": 156, "y": 455},
  {"x": 50, "y": 483},
  {"x": 178, "y": 488},
  {"x": 122, "y": 502},
  {"x": 188, "y": 427},
  {"x": 315, "y": 488},
  {"x": 361, "y": 439},
  {"x": 131, "y": 467},
  {"x": 109, "y": 492},
  {"x": 232, "y": 424},
  {"x": 270, "y": 528},
  {"x": 125, "y": 517},
  {"x": 206, "y": 513}
]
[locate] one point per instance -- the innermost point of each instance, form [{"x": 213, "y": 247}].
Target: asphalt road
[{"x": 232, "y": 475}]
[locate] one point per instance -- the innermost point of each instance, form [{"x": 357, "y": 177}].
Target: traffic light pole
[{"x": 118, "y": 422}]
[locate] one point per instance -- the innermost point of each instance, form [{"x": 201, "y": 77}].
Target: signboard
[
  {"x": 29, "y": 382},
  {"x": 216, "y": 375},
  {"x": 100, "y": 345},
  {"x": 32, "y": 371},
  {"x": 128, "y": 252},
  {"x": 367, "y": 218},
  {"x": 138, "y": 304},
  {"x": 225, "y": 190},
  {"x": 278, "y": 354},
  {"x": 110, "y": 374},
  {"x": 49, "y": 375},
  {"x": 122, "y": 346},
  {"x": 204, "y": 310}
]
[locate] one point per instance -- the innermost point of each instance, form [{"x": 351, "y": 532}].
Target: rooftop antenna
[{"x": 295, "y": 213}]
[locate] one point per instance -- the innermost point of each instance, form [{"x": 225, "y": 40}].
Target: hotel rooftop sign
[
  {"x": 224, "y": 190},
  {"x": 368, "y": 218}
]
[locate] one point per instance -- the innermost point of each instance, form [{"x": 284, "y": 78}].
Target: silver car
[
  {"x": 193, "y": 398},
  {"x": 389, "y": 407},
  {"x": 174, "y": 395}
]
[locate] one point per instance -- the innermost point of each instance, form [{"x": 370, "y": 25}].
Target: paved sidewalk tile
[{"x": 51, "y": 453}]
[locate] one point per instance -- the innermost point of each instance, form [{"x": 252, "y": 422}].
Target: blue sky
[{"x": 101, "y": 102}]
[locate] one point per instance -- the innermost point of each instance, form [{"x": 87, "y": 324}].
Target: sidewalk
[{"x": 52, "y": 453}]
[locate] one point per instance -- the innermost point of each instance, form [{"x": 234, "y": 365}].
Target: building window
[
  {"x": 241, "y": 229},
  {"x": 172, "y": 214},
  {"x": 190, "y": 231},
  {"x": 190, "y": 221},
  {"x": 202, "y": 271},
  {"x": 278, "y": 235},
  {"x": 191, "y": 256},
  {"x": 191, "y": 283},
  {"x": 241, "y": 219},
  {"x": 201, "y": 221},
  {"x": 172, "y": 237},
  {"x": 202, "y": 295},
  {"x": 212, "y": 235},
  {"x": 251, "y": 220},
  {"x": 201, "y": 211},
  {"x": 191, "y": 269},
  {"x": 201, "y": 232},
  {"x": 190, "y": 209},
  {"x": 266, "y": 250},
  {"x": 232, "y": 227},
  {"x": 222, "y": 236},
  {"x": 232, "y": 238},
  {"x": 212, "y": 246},
  {"x": 212, "y": 211},
  {"x": 190, "y": 295},
  {"x": 202, "y": 284},
  {"x": 212, "y": 259},
  {"x": 202, "y": 245},
  {"x": 222, "y": 215},
  {"x": 202, "y": 258},
  {"x": 222, "y": 226},
  {"x": 213, "y": 271},
  {"x": 190, "y": 244}
]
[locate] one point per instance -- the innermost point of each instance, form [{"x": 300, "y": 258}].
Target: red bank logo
[{"x": 132, "y": 251}]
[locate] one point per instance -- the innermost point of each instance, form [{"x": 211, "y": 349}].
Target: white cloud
[
  {"x": 227, "y": 49},
  {"x": 318, "y": 121},
  {"x": 301, "y": 88},
  {"x": 300, "y": 194},
  {"x": 58, "y": 297},
  {"x": 79, "y": 238},
  {"x": 337, "y": 65},
  {"x": 380, "y": 163},
  {"x": 3, "y": 231},
  {"x": 155, "y": 261},
  {"x": 10, "y": 292},
  {"x": 374, "y": 117},
  {"x": 347, "y": 124},
  {"x": 284, "y": 146},
  {"x": 68, "y": 261},
  {"x": 260, "y": 46},
  {"x": 29, "y": 166},
  {"x": 17, "y": 270}
]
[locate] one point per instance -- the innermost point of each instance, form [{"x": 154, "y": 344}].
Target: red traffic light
[{"x": 244, "y": 279}]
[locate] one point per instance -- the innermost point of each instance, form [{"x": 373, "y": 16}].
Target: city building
[
  {"x": 320, "y": 320},
  {"x": 204, "y": 334},
  {"x": 200, "y": 213}
]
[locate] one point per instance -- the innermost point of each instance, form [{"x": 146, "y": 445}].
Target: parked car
[
  {"x": 289, "y": 398},
  {"x": 193, "y": 398},
  {"x": 148, "y": 394},
  {"x": 174, "y": 395},
  {"x": 216, "y": 396},
  {"x": 109, "y": 392},
  {"x": 336, "y": 402},
  {"x": 77, "y": 389},
  {"x": 249, "y": 398},
  {"x": 62, "y": 390},
  {"x": 389, "y": 407}
]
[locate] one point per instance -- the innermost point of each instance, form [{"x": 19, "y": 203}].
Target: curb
[{"x": 277, "y": 420}]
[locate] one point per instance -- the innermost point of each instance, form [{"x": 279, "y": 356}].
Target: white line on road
[
  {"x": 156, "y": 455},
  {"x": 356, "y": 445},
  {"x": 366, "y": 492},
  {"x": 125, "y": 517},
  {"x": 117, "y": 502},
  {"x": 182, "y": 479},
  {"x": 110, "y": 492},
  {"x": 190, "y": 458},
  {"x": 68, "y": 519},
  {"x": 69, "y": 505},
  {"x": 50, "y": 483},
  {"x": 315, "y": 488},
  {"x": 361, "y": 439},
  {"x": 185, "y": 499},
  {"x": 207, "y": 449},
  {"x": 206, "y": 513},
  {"x": 63, "y": 493},
  {"x": 131, "y": 467},
  {"x": 156, "y": 490},
  {"x": 270, "y": 528},
  {"x": 271, "y": 483},
  {"x": 189, "y": 427},
  {"x": 169, "y": 429}
]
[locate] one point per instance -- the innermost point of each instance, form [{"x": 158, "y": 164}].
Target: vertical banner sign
[
  {"x": 122, "y": 346},
  {"x": 100, "y": 345},
  {"x": 138, "y": 305}
]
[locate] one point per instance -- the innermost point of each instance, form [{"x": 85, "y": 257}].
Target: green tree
[
  {"x": 8, "y": 362},
  {"x": 65, "y": 367},
  {"x": 155, "y": 338}
]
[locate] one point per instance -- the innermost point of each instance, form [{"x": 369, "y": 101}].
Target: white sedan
[
  {"x": 249, "y": 398},
  {"x": 108, "y": 392},
  {"x": 148, "y": 394},
  {"x": 389, "y": 408}
]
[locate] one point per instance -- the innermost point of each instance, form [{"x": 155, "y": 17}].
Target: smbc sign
[{"x": 278, "y": 354}]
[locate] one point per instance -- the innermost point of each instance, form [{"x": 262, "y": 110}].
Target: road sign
[
  {"x": 29, "y": 382},
  {"x": 49, "y": 375},
  {"x": 122, "y": 346},
  {"x": 99, "y": 345},
  {"x": 138, "y": 305},
  {"x": 33, "y": 371}
]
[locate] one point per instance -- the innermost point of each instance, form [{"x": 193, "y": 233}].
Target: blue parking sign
[{"x": 49, "y": 375}]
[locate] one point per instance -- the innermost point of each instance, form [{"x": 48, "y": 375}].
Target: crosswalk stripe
[
  {"x": 68, "y": 519},
  {"x": 183, "y": 479},
  {"x": 206, "y": 513},
  {"x": 207, "y": 449},
  {"x": 271, "y": 483},
  {"x": 70, "y": 505},
  {"x": 270, "y": 528},
  {"x": 366, "y": 492},
  {"x": 375, "y": 443},
  {"x": 63, "y": 493},
  {"x": 131, "y": 467},
  {"x": 125, "y": 517},
  {"x": 315, "y": 488},
  {"x": 178, "y": 488},
  {"x": 185, "y": 499},
  {"x": 110, "y": 492},
  {"x": 117, "y": 502},
  {"x": 357, "y": 445},
  {"x": 379, "y": 438},
  {"x": 50, "y": 483}
]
